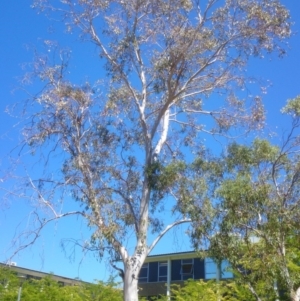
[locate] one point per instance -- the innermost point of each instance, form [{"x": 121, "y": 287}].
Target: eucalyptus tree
[
  {"x": 255, "y": 213},
  {"x": 172, "y": 70}
]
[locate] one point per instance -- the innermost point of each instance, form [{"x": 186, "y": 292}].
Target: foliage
[
  {"x": 194, "y": 290},
  {"x": 50, "y": 290},
  {"x": 9, "y": 284},
  {"x": 256, "y": 220},
  {"x": 173, "y": 70},
  {"x": 101, "y": 292}
]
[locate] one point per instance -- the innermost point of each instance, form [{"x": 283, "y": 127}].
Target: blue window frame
[
  {"x": 187, "y": 269},
  {"x": 162, "y": 271},
  {"x": 143, "y": 276},
  {"x": 225, "y": 270},
  {"x": 211, "y": 269}
]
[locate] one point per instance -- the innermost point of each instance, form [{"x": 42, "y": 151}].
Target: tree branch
[{"x": 169, "y": 227}]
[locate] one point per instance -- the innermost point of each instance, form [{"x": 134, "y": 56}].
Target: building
[
  {"x": 25, "y": 274},
  {"x": 160, "y": 271}
]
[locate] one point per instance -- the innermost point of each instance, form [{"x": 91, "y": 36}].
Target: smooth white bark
[
  {"x": 130, "y": 287},
  {"x": 296, "y": 295}
]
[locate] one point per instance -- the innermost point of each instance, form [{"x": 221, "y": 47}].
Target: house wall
[
  {"x": 154, "y": 288},
  {"x": 149, "y": 284}
]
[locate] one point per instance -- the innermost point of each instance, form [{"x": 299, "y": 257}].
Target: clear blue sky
[{"x": 21, "y": 28}]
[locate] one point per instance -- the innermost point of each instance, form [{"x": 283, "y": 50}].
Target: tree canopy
[{"x": 254, "y": 213}]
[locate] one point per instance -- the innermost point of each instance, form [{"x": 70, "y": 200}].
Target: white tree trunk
[
  {"x": 130, "y": 286},
  {"x": 296, "y": 295}
]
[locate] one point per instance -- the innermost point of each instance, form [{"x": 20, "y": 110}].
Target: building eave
[
  {"x": 172, "y": 256},
  {"x": 34, "y": 273}
]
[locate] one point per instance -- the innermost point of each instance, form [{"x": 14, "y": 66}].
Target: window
[
  {"x": 31, "y": 277},
  {"x": 143, "y": 276},
  {"x": 61, "y": 284},
  {"x": 210, "y": 269},
  {"x": 187, "y": 269},
  {"x": 225, "y": 270},
  {"x": 162, "y": 271}
]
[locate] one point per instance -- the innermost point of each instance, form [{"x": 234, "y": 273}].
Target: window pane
[
  {"x": 210, "y": 269},
  {"x": 225, "y": 270},
  {"x": 187, "y": 269},
  {"x": 143, "y": 272},
  {"x": 163, "y": 271},
  {"x": 211, "y": 276},
  {"x": 142, "y": 280},
  {"x": 143, "y": 276}
]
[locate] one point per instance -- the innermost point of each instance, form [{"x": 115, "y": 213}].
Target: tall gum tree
[{"x": 172, "y": 69}]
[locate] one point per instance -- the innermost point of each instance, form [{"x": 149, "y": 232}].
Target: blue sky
[{"x": 22, "y": 29}]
